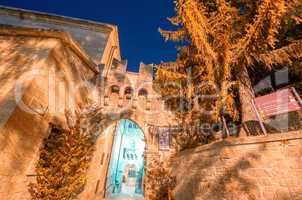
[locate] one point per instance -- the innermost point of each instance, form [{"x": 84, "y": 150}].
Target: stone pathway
[{"x": 125, "y": 198}]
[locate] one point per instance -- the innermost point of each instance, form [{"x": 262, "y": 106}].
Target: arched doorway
[{"x": 126, "y": 169}]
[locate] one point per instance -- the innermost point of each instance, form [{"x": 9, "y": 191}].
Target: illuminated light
[{"x": 126, "y": 169}]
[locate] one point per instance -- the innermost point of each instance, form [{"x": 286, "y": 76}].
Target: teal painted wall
[{"x": 126, "y": 169}]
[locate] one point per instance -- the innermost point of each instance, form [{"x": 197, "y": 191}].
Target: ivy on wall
[
  {"x": 64, "y": 161},
  {"x": 159, "y": 182}
]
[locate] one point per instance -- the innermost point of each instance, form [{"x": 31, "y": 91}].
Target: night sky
[{"x": 137, "y": 20}]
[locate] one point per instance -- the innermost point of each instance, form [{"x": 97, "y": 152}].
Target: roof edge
[
  {"x": 65, "y": 19},
  {"x": 66, "y": 38}
]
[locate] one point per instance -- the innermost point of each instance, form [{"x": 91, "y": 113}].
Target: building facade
[{"x": 50, "y": 64}]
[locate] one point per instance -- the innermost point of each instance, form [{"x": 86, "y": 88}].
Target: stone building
[
  {"x": 129, "y": 98},
  {"x": 50, "y": 64}
]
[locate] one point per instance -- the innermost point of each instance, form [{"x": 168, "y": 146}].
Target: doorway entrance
[{"x": 126, "y": 169}]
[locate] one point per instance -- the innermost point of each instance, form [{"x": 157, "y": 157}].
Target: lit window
[{"x": 115, "y": 89}]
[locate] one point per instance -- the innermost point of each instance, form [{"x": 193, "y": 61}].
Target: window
[
  {"x": 115, "y": 89},
  {"x": 143, "y": 92},
  {"x": 132, "y": 173},
  {"x": 128, "y": 93},
  {"x": 102, "y": 158},
  {"x": 115, "y": 64}
]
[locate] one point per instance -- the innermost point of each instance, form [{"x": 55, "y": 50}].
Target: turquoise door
[{"x": 126, "y": 169}]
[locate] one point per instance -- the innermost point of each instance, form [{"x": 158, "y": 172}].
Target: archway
[{"x": 126, "y": 169}]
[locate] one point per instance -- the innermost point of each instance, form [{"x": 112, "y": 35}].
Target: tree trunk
[{"x": 246, "y": 95}]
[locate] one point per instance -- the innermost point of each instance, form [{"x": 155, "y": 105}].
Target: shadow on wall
[
  {"x": 212, "y": 174},
  {"x": 14, "y": 62},
  {"x": 22, "y": 132}
]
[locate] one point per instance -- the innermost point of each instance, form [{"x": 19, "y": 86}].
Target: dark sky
[{"x": 137, "y": 20}]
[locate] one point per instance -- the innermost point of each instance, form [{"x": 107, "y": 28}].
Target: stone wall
[
  {"x": 95, "y": 187},
  {"x": 260, "y": 168},
  {"x": 143, "y": 110},
  {"x": 96, "y": 175},
  {"x": 48, "y": 72},
  {"x": 49, "y": 94}
]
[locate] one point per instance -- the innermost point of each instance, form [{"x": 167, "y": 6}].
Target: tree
[
  {"x": 66, "y": 153},
  {"x": 159, "y": 181},
  {"x": 227, "y": 39}
]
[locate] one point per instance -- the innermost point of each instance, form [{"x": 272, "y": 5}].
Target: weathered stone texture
[
  {"x": 143, "y": 110},
  {"x": 47, "y": 81},
  {"x": 260, "y": 168},
  {"x": 77, "y": 62}
]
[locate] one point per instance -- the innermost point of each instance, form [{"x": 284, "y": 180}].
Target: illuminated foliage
[
  {"x": 64, "y": 158},
  {"x": 160, "y": 181},
  {"x": 223, "y": 40}
]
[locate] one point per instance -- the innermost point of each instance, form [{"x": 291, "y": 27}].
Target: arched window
[
  {"x": 143, "y": 101},
  {"x": 114, "y": 93},
  {"x": 143, "y": 92},
  {"x": 115, "y": 89},
  {"x": 128, "y": 93}
]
